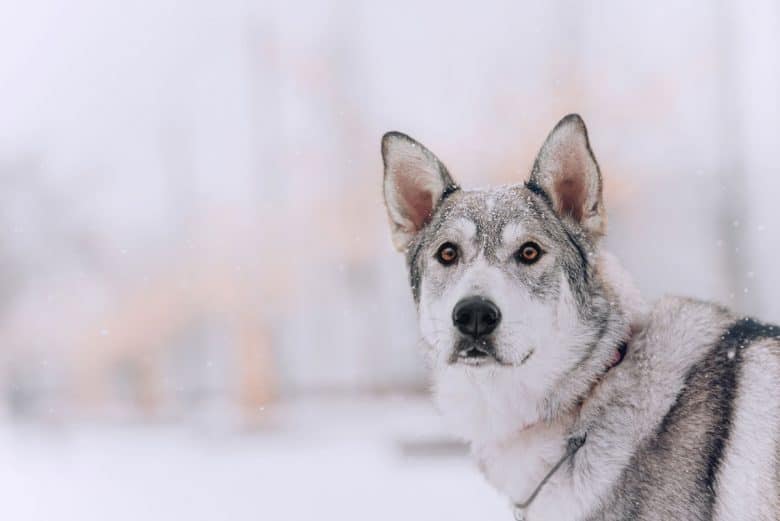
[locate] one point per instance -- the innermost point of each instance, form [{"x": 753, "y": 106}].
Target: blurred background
[{"x": 201, "y": 313}]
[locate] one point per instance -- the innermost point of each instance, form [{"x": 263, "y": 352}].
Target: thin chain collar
[{"x": 574, "y": 444}]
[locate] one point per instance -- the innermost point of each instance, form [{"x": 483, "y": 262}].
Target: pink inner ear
[
  {"x": 570, "y": 190},
  {"x": 417, "y": 202}
]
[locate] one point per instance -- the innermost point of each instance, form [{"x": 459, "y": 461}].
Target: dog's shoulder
[
  {"x": 680, "y": 322},
  {"x": 677, "y": 311},
  {"x": 679, "y": 329}
]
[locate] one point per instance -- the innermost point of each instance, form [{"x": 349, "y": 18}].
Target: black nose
[{"x": 476, "y": 316}]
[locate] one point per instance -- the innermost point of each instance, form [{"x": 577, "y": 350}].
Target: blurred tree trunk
[{"x": 731, "y": 174}]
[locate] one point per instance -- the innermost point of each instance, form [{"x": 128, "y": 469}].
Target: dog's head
[{"x": 513, "y": 306}]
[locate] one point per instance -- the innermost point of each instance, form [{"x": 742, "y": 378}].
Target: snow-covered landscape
[{"x": 327, "y": 459}]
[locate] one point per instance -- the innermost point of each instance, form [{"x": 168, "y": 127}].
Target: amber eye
[
  {"x": 447, "y": 254},
  {"x": 528, "y": 253}
]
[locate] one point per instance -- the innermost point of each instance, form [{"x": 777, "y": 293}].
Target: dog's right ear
[
  {"x": 415, "y": 183},
  {"x": 567, "y": 173}
]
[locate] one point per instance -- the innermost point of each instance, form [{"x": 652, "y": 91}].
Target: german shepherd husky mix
[{"x": 579, "y": 401}]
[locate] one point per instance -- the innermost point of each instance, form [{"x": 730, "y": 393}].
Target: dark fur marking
[
  {"x": 415, "y": 277},
  {"x": 448, "y": 191},
  {"x": 696, "y": 429},
  {"x": 581, "y": 252},
  {"x": 534, "y": 187}
]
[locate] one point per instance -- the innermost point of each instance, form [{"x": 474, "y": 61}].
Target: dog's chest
[{"x": 517, "y": 467}]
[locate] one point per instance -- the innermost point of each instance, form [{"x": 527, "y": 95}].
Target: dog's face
[{"x": 511, "y": 306}]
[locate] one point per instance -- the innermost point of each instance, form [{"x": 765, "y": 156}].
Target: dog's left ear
[{"x": 567, "y": 173}]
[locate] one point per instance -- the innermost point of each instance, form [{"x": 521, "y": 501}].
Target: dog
[{"x": 579, "y": 400}]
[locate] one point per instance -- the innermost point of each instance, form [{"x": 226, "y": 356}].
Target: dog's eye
[
  {"x": 447, "y": 253},
  {"x": 528, "y": 253}
]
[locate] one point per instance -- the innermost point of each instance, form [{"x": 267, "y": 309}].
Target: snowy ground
[{"x": 324, "y": 460}]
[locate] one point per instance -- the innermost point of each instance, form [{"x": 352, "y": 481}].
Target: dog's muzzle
[{"x": 475, "y": 318}]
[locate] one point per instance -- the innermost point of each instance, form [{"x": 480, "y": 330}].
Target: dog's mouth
[
  {"x": 475, "y": 356},
  {"x": 475, "y": 353}
]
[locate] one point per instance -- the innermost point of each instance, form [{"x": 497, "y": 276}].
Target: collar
[{"x": 620, "y": 354}]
